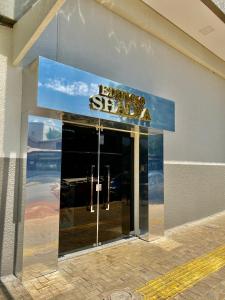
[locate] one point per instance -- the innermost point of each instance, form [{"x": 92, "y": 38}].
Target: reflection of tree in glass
[{"x": 53, "y": 134}]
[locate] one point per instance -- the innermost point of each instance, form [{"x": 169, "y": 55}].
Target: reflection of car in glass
[
  {"x": 43, "y": 164},
  {"x": 115, "y": 184},
  {"x": 119, "y": 185},
  {"x": 74, "y": 190},
  {"x": 77, "y": 191},
  {"x": 42, "y": 182}
]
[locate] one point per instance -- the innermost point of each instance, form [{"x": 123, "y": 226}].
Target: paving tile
[{"x": 128, "y": 266}]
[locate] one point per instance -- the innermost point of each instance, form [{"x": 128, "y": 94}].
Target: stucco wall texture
[
  {"x": 10, "y": 108},
  {"x": 9, "y": 213}
]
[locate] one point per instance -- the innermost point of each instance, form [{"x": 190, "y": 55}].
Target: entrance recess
[{"x": 96, "y": 203}]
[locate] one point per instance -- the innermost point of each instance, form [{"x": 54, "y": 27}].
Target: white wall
[
  {"x": 14, "y": 9},
  {"x": 10, "y": 98},
  {"x": 7, "y": 8}
]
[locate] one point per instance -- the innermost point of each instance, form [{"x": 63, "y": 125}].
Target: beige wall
[
  {"x": 10, "y": 98},
  {"x": 7, "y": 8},
  {"x": 10, "y": 115},
  {"x": 13, "y": 9}
]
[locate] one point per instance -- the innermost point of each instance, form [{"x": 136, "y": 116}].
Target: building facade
[{"x": 112, "y": 126}]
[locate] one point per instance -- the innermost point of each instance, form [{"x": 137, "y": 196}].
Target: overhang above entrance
[{"x": 67, "y": 89}]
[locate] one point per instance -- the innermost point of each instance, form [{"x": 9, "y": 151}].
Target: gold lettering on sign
[{"x": 121, "y": 103}]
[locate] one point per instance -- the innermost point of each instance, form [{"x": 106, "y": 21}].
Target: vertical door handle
[
  {"x": 108, "y": 187},
  {"x": 92, "y": 189}
]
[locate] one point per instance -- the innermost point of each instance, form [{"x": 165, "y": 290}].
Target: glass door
[
  {"x": 116, "y": 179},
  {"x": 96, "y": 203},
  {"x": 79, "y": 178}
]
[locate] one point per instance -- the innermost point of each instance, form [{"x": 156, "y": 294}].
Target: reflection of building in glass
[
  {"x": 44, "y": 136},
  {"x": 36, "y": 131},
  {"x": 43, "y": 160}
]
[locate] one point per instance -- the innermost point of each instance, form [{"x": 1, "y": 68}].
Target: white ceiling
[{"x": 196, "y": 19}]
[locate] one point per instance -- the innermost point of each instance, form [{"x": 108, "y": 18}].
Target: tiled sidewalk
[{"x": 126, "y": 267}]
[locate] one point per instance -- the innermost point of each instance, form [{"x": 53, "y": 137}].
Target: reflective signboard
[{"x": 67, "y": 89}]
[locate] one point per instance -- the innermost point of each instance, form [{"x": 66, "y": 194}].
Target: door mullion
[
  {"x": 98, "y": 181},
  {"x": 136, "y": 181}
]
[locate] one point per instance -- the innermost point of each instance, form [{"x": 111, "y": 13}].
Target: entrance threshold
[{"x": 97, "y": 248}]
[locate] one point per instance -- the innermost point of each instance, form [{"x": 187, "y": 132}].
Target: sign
[
  {"x": 67, "y": 89},
  {"x": 118, "y": 102}
]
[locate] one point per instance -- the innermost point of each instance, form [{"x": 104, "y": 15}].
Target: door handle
[
  {"x": 92, "y": 189},
  {"x": 108, "y": 187},
  {"x": 98, "y": 187}
]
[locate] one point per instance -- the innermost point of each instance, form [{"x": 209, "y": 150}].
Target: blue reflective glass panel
[
  {"x": 42, "y": 196},
  {"x": 67, "y": 89}
]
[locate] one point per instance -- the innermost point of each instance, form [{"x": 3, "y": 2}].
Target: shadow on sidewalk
[{"x": 4, "y": 292}]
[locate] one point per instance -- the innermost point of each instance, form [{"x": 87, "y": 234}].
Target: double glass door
[{"x": 96, "y": 204}]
